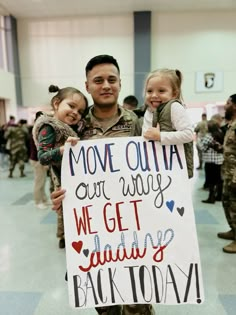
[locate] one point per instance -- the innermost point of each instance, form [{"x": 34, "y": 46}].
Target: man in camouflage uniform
[
  {"x": 201, "y": 130},
  {"x": 17, "y": 135},
  {"x": 229, "y": 176},
  {"x": 107, "y": 119}
]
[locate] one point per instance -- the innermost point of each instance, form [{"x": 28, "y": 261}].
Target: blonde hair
[{"x": 175, "y": 77}]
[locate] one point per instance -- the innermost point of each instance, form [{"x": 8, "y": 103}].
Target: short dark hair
[
  {"x": 131, "y": 100},
  {"x": 22, "y": 121},
  {"x": 100, "y": 59},
  {"x": 233, "y": 98}
]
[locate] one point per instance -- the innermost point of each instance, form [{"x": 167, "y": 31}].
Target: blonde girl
[{"x": 165, "y": 118}]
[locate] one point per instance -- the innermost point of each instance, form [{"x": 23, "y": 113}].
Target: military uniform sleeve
[
  {"x": 138, "y": 127},
  {"x": 234, "y": 160}
]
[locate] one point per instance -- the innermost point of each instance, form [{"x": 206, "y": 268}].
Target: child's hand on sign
[
  {"x": 72, "y": 140},
  {"x": 153, "y": 133}
]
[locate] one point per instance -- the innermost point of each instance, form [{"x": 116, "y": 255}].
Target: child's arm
[{"x": 47, "y": 153}]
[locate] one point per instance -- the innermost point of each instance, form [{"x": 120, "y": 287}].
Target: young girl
[
  {"x": 165, "y": 118},
  {"x": 50, "y": 134}
]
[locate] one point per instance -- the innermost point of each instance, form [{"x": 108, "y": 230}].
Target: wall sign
[{"x": 209, "y": 81}]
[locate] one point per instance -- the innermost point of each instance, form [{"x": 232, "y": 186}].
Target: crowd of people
[
  {"x": 17, "y": 148},
  {"x": 216, "y": 145},
  {"x": 163, "y": 118}
]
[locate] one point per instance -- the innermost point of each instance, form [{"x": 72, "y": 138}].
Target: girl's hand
[
  {"x": 72, "y": 140},
  {"x": 153, "y": 133}
]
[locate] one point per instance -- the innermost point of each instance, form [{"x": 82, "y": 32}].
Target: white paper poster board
[{"x": 129, "y": 224}]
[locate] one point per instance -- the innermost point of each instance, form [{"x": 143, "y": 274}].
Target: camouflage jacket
[
  {"x": 124, "y": 125},
  {"x": 229, "y": 163},
  {"x": 18, "y": 136}
]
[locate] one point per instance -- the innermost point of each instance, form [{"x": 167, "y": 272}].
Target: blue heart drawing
[
  {"x": 86, "y": 252},
  {"x": 170, "y": 205},
  {"x": 181, "y": 211}
]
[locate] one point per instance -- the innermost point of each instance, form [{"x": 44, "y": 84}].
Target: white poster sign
[{"x": 129, "y": 224}]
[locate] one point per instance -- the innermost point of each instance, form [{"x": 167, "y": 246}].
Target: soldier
[
  {"x": 130, "y": 102},
  {"x": 17, "y": 135},
  {"x": 107, "y": 119},
  {"x": 229, "y": 176},
  {"x": 201, "y": 130}
]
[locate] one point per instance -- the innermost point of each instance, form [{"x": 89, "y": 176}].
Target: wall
[
  {"x": 7, "y": 92},
  {"x": 57, "y": 50},
  {"x": 194, "y": 42}
]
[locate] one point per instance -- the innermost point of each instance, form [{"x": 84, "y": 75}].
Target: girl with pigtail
[
  {"x": 165, "y": 118},
  {"x": 51, "y": 132}
]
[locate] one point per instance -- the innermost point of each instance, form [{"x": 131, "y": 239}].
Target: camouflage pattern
[
  {"x": 124, "y": 125},
  {"x": 201, "y": 131},
  {"x": 138, "y": 309},
  {"x": 134, "y": 309},
  {"x": 109, "y": 310},
  {"x": 60, "y": 224},
  {"x": 54, "y": 184},
  {"x": 17, "y": 136},
  {"x": 229, "y": 177},
  {"x": 229, "y": 164}
]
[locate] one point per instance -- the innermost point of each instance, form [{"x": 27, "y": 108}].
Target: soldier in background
[
  {"x": 130, "y": 102},
  {"x": 17, "y": 135},
  {"x": 229, "y": 176},
  {"x": 201, "y": 130}
]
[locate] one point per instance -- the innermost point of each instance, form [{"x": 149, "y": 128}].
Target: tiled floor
[{"x": 32, "y": 266}]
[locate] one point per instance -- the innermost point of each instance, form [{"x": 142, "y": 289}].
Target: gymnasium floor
[{"x": 32, "y": 267}]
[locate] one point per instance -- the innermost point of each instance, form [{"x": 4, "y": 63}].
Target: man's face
[
  {"x": 230, "y": 109},
  {"x": 103, "y": 83}
]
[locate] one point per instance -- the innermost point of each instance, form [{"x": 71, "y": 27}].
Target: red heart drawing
[{"x": 77, "y": 246}]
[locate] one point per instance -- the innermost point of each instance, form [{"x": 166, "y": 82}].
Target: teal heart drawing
[
  {"x": 181, "y": 211},
  {"x": 170, "y": 205}
]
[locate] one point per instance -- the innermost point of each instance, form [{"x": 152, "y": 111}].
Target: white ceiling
[{"x": 56, "y": 8}]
